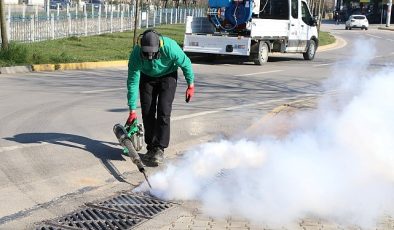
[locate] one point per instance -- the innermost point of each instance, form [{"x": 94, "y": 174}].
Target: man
[{"x": 152, "y": 71}]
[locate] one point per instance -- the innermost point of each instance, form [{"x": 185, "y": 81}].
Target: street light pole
[
  {"x": 4, "y": 36},
  {"x": 389, "y": 6}
]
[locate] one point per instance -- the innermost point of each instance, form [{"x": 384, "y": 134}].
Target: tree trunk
[
  {"x": 136, "y": 19},
  {"x": 4, "y": 35}
]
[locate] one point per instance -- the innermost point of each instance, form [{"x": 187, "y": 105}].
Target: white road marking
[
  {"x": 101, "y": 90},
  {"x": 322, "y": 64},
  {"x": 373, "y": 36},
  {"x": 115, "y": 89},
  {"x": 23, "y": 146},
  {"x": 249, "y": 74},
  {"x": 237, "y": 107}
]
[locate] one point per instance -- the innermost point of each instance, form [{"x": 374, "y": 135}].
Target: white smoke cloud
[{"x": 336, "y": 162}]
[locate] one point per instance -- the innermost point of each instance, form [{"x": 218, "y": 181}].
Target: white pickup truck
[{"x": 253, "y": 28}]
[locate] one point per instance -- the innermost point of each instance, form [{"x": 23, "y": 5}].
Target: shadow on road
[
  {"x": 119, "y": 110},
  {"x": 99, "y": 149}
]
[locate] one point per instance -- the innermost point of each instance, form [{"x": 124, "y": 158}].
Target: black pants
[{"x": 156, "y": 96}]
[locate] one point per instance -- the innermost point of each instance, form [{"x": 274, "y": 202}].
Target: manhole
[{"x": 124, "y": 211}]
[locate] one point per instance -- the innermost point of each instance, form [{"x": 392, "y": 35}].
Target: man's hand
[
  {"x": 132, "y": 117},
  {"x": 189, "y": 93}
]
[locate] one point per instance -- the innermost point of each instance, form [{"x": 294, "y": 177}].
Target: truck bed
[{"x": 269, "y": 28}]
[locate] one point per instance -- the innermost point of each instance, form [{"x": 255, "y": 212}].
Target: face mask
[
  {"x": 150, "y": 56},
  {"x": 147, "y": 55}
]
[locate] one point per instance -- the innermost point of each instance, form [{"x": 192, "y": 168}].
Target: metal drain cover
[{"x": 123, "y": 211}]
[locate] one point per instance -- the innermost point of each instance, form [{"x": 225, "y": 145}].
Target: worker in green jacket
[{"x": 152, "y": 70}]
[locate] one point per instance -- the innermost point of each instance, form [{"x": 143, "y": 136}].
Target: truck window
[
  {"x": 274, "y": 9},
  {"x": 294, "y": 8},
  {"x": 306, "y": 15}
]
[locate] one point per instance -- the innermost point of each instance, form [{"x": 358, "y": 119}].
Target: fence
[{"x": 99, "y": 19}]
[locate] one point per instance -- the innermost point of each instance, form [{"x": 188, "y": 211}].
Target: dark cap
[{"x": 150, "y": 42}]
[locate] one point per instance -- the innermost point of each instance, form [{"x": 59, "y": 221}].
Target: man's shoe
[
  {"x": 158, "y": 156},
  {"x": 150, "y": 153},
  {"x": 153, "y": 157},
  {"x": 147, "y": 157}
]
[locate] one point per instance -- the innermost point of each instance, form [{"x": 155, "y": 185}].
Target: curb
[
  {"x": 339, "y": 43},
  {"x": 386, "y": 28},
  {"x": 78, "y": 66},
  {"x": 62, "y": 66},
  {"x": 15, "y": 69}
]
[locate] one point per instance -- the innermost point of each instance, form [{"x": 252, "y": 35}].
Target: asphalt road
[{"x": 56, "y": 142}]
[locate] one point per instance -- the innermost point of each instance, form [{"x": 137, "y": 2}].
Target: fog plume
[{"x": 335, "y": 163}]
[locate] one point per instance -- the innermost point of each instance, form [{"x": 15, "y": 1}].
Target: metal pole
[
  {"x": 321, "y": 9},
  {"x": 99, "y": 20},
  {"x": 111, "y": 18},
  {"x": 381, "y": 15},
  {"x": 23, "y": 12},
  {"x": 389, "y": 6},
  {"x": 52, "y": 26},
  {"x": 86, "y": 24}
]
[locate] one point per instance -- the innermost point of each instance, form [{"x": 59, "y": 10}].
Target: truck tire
[
  {"x": 311, "y": 51},
  {"x": 262, "y": 55}
]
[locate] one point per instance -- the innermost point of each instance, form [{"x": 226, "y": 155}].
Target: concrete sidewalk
[{"x": 391, "y": 28}]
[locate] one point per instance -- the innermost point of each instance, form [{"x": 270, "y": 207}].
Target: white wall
[
  {"x": 11, "y": 2},
  {"x": 35, "y": 2}
]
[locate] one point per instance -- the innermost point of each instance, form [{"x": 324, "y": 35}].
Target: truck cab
[{"x": 253, "y": 28}]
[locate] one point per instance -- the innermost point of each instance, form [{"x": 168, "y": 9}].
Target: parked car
[
  {"x": 95, "y": 4},
  {"x": 357, "y": 21},
  {"x": 54, "y": 3}
]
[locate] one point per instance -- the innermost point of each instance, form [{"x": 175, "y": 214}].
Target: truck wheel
[
  {"x": 262, "y": 56},
  {"x": 310, "y": 52}
]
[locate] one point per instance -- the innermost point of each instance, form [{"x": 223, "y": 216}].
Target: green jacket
[{"x": 171, "y": 57}]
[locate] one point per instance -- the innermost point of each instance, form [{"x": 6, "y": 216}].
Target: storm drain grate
[
  {"x": 143, "y": 206},
  {"x": 123, "y": 211}
]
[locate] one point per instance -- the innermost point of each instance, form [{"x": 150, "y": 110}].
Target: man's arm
[
  {"x": 183, "y": 61},
  {"x": 133, "y": 80}
]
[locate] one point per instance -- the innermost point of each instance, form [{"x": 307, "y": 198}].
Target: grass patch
[
  {"x": 104, "y": 47},
  {"x": 325, "y": 38},
  {"x": 15, "y": 54}
]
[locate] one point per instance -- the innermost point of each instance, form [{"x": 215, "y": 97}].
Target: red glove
[
  {"x": 189, "y": 93},
  {"x": 132, "y": 117}
]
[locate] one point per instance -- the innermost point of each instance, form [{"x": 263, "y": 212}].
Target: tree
[
  {"x": 4, "y": 36},
  {"x": 136, "y": 13}
]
